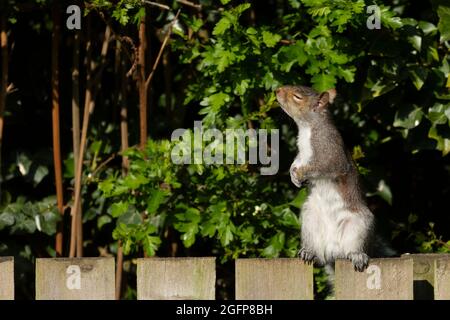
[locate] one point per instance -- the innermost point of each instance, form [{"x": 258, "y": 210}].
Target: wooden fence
[{"x": 415, "y": 276}]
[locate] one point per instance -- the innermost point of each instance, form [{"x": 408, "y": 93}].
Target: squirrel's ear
[
  {"x": 325, "y": 98},
  {"x": 332, "y": 93}
]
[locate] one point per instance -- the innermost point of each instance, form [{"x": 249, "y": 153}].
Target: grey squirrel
[{"x": 336, "y": 222}]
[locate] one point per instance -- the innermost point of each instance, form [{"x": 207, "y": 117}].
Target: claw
[
  {"x": 360, "y": 260},
  {"x": 306, "y": 255}
]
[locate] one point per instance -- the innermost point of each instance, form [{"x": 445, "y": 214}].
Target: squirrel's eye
[{"x": 297, "y": 97}]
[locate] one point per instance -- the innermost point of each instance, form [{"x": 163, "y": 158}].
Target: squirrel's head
[{"x": 299, "y": 101}]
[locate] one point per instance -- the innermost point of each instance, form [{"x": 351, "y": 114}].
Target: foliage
[
  {"x": 222, "y": 67},
  {"x": 221, "y": 203}
]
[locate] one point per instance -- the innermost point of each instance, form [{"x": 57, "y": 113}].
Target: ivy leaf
[
  {"x": 439, "y": 114},
  {"x": 418, "y": 76},
  {"x": 102, "y": 220},
  {"x": 131, "y": 217},
  {"x": 6, "y": 220},
  {"x": 443, "y": 144},
  {"x": 408, "y": 118},
  {"x": 40, "y": 173},
  {"x": 443, "y": 11},
  {"x": 427, "y": 27}
]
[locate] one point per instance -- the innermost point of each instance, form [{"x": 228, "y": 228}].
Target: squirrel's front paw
[
  {"x": 360, "y": 260},
  {"x": 295, "y": 177},
  {"x": 306, "y": 255}
]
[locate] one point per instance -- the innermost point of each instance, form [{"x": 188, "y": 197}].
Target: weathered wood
[
  {"x": 6, "y": 278},
  {"x": 273, "y": 279},
  {"x": 384, "y": 279},
  {"x": 442, "y": 278},
  {"x": 75, "y": 279},
  {"x": 424, "y": 272},
  {"x": 176, "y": 278}
]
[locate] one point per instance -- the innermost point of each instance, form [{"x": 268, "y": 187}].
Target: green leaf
[
  {"x": 323, "y": 81},
  {"x": 439, "y": 114},
  {"x": 102, "y": 220},
  {"x": 382, "y": 87},
  {"x": 131, "y": 217},
  {"x": 49, "y": 221},
  {"x": 293, "y": 54},
  {"x": 427, "y": 27},
  {"x": 226, "y": 236},
  {"x": 224, "y": 2},
  {"x": 156, "y": 198},
  {"x": 151, "y": 244},
  {"x": 223, "y": 25},
  {"x": 40, "y": 173},
  {"x": 270, "y": 39},
  {"x": 216, "y": 101},
  {"x": 294, "y": 4},
  {"x": 384, "y": 191},
  {"x": 443, "y": 144},
  {"x": 443, "y": 12},
  {"x": 23, "y": 163},
  {"x": 408, "y": 117},
  {"x": 418, "y": 76},
  {"x": 276, "y": 244},
  {"x": 6, "y": 220},
  {"x": 300, "y": 198},
  {"x": 119, "y": 208}
]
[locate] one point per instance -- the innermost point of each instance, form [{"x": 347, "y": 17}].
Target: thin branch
[
  {"x": 56, "y": 35},
  {"x": 163, "y": 46},
  {"x": 190, "y": 4},
  {"x": 88, "y": 109},
  {"x": 104, "y": 163},
  {"x": 3, "y": 81},
  {"x": 155, "y": 4},
  {"x": 287, "y": 42},
  {"x": 443, "y": 243}
]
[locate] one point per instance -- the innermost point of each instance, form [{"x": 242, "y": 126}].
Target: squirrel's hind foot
[
  {"x": 306, "y": 255},
  {"x": 360, "y": 260}
]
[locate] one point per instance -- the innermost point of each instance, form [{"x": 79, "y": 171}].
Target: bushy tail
[{"x": 329, "y": 270}]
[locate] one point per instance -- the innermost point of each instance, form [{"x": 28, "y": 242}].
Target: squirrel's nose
[{"x": 278, "y": 90}]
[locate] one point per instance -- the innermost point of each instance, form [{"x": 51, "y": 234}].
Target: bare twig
[
  {"x": 443, "y": 243},
  {"x": 104, "y": 163},
  {"x": 161, "y": 50},
  {"x": 287, "y": 42},
  {"x": 3, "y": 80},
  {"x": 155, "y": 4},
  {"x": 76, "y": 236},
  {"x": 119, "y": 269},
  {"x": 125, "y": 39},
  {"x": 55, "y": 125},
  {"x": 190, "y": 4},
  {"x": 141, "y": 70}
]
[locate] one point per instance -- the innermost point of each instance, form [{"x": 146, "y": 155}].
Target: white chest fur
[{"x": 304, "y": 144}]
